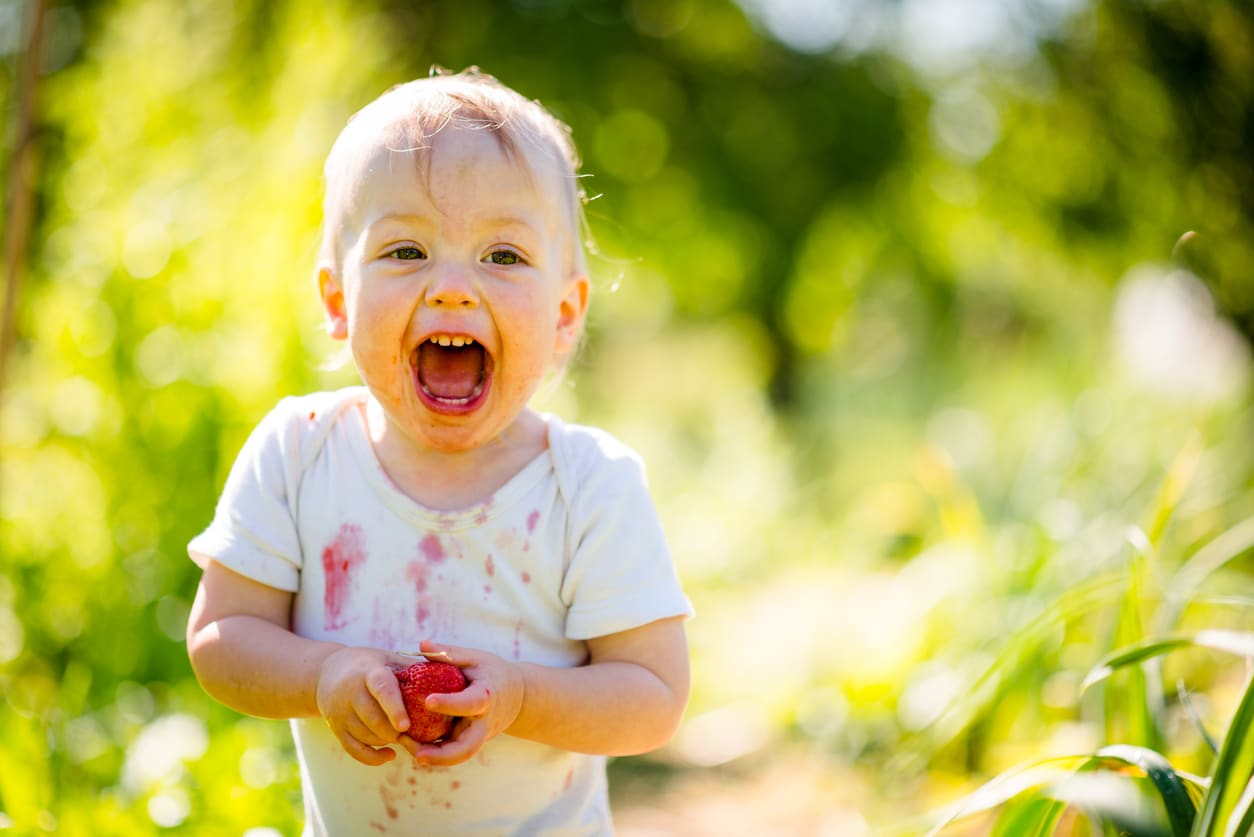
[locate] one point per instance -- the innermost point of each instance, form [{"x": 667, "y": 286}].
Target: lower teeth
[{"x": 455, "y": 402}]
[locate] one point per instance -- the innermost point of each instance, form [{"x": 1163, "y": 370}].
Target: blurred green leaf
[
  {"x": 1227, "y": 802},
  {"x": 1171, "y": 788},
  {"x": 891, "y": 321},
  {"x": 1241, "y": 644},
  {"x": 1028, "y": 817}
]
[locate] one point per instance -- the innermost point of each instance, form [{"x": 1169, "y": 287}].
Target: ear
[
  {"x": 332, "y": 302},
  {"x": 571, "y": 311}
]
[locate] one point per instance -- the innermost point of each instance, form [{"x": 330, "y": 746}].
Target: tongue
[{"x": 450, "y": 371}]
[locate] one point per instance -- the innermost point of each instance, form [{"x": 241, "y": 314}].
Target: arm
[
  {"x": 627, "y": 699},
  {"x": 245, "y": 655}
]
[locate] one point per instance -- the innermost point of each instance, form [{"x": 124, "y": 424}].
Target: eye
[
  {"x": 407, "y": 254},
  {"x": 503, "y": 257}
]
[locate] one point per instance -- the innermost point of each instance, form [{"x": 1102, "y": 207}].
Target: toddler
[{"x": 432, "y": 511}]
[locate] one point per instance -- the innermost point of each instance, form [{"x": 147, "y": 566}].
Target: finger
[
  {"x": 410, "y": 745},
  {"x": 375, "y": 723},
  {"x": 473, "y": 700},
  {"x": 469, "y": 739},
  {"x": 389, "y": 706},
  {"x": 363, "y": 752},
  {"x": 358, "y": 730}
]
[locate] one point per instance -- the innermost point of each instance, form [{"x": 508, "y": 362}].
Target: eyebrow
[
  {"x": 511, "y": 220},
  {"x": 491, "y": 221},
  {"x": 401, "y": 217}
]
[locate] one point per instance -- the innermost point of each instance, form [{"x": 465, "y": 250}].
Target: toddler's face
[{"x": 454, "y": 287}]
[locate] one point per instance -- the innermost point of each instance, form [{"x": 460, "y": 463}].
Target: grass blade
[
  {"x": 1171, "y": 788},
  {"x": 1234, "y": 642},
  {"x": 1007, "y": 785},
  {"x": 1186, "y": 704},
  {"x": 1036, "y": 817},
  {"x": 1233, "y": 769},
  {"x": 1242, "y": 820},
  {"x": 1131, "y": 697},
  {"x": 1113, "y": 803},
  {"x": 1231, "y": 544},
  {"x": 1080, "y": 600}
]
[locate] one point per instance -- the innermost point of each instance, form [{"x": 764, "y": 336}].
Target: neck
[{"x": 451, "y": 480}]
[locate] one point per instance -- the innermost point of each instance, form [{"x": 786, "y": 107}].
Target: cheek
[{"x": 375, "y": 339}]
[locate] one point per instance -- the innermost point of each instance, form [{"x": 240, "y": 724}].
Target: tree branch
[{"x": 20, "y": 192}]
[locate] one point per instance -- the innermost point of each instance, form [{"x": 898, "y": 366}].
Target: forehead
[{"x": 391, "y": 156}]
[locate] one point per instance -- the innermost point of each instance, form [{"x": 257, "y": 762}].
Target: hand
[
  {"x": 361, "y": 701},
  {"x": 484, "y": 709}
]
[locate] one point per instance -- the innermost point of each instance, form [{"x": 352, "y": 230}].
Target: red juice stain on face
[{"x": 339, "y": 558}]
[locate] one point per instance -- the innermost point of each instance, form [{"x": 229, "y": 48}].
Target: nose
[{"x": 452, "y": 288}]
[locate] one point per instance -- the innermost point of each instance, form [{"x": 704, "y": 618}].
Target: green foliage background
[{"x": 904, "y": 333}]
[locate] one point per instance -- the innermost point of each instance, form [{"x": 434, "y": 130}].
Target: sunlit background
[{"x": 931, "y": 318}]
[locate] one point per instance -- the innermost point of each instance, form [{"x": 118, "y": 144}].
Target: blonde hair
[{"x": 409, "y": 115}]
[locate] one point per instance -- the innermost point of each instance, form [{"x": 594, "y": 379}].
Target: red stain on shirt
[
  {"x": 490, "y": 566},
  {"x": 417, "y": 574},
  {"x": 312, "y": 415},
  {"x": 570, "y": 778},
  {"x": 388, "y": 799},
  {"x": 518, "y": 640},
  {"x": 339, "y": 558},
  {"x": 526, "y": 577},
  {"x": 482, "y": 516},
  {"x": 432, "y": 549},
  {"x": 532, "y": 520}
]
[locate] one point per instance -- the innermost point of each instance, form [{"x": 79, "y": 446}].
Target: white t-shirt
[{"x": 569, "y": 549}]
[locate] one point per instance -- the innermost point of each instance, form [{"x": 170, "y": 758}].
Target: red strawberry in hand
[{"x": 420, "y": 680}]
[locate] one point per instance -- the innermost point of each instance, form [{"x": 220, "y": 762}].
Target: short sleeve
[
  {"x": 253, "y": 531},
  {"x": 621, "y": 575}
]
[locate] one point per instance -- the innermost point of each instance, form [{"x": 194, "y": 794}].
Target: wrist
[
  {"x": 522, "y": 673},
  {"x": 321, "y": 665}
]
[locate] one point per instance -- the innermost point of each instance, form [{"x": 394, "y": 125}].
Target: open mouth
[{"x": 452, "y": 372}]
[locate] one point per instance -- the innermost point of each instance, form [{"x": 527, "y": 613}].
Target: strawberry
[{"x": 422, "y": 679}]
